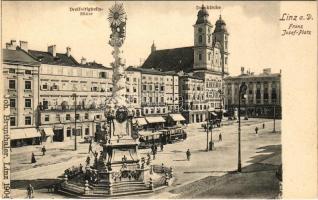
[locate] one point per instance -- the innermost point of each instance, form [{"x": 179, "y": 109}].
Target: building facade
[
  {"x": 263, "y": 94},
  {"x": 65, "y": 83},
  {"x": 133, "y": 90},
  {"x": 206, "y": 60},
  {"x": 21, "y": 78},
  {"x": 193, "y": 103}
]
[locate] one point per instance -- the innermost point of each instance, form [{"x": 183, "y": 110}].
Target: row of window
[
  {"x": 27, "y": 85},
  {"x": 156, "y": 78},
  {"x": 73, "y": 72},
  {"x": 13, "y": 71},
  {"x": 156, "y": 88},
  {"x": 27, "y": 103},
  {"x": 134, "y": 79},
  {"x": 68, "y": 117},
  {"x": 27, "y": 121},
  {"x": 156, "y": 100}
]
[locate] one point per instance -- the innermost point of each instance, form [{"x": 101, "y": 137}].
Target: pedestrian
[
  {"x": 33, "y": 158},
  {"x": 256, "y": 130},
  {"x": 154, "y": 154},
  {"x": 188, "y": 153},
  {"x": 81, "y": 168},
  {"x": 90, "y": 148},
  {"x": 43, "y": 150},
  {"x": 88, "y": 159},
  {"x": 263, "y": 125},
  {"x": 30, "y": 191},
  {"x": 220, "y": 137},
  {"x": 161, "y": 147}
]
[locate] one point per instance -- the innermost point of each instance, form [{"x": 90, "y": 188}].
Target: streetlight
[
  {"x": 274, "y": 128},
  {"x": 242, "y": 90},
  {"x": 75, "y": 130},
  {"x": 207, "y": 130}
]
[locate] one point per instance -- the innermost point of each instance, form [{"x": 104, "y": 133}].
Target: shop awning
[
  {"x": 177, "y": 117},
  {"x": 24, "y": 133},
  {"x": 157, "y": 119},
  {"x": 140, "y": 121},
  {"x": 48, "y": 131}
]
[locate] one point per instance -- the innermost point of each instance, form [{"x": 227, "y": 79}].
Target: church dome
[
  {"x": 202, "y": 16},
  {"x": 220, "y": 25}
]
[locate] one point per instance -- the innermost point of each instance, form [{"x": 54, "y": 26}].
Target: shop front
[{"x": 25, "y": 136}]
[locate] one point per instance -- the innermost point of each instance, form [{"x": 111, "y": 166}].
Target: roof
[
  {"x": 186, "y": 75},
  {"x": 18, "y": 56},
  {"x": 62, "y": 59},
  {"x": 151, "y": 71},
  {"x": 178, "y": 59},
  {"x": 262, "y": 75},
  {"x": 47, "y": 58}
]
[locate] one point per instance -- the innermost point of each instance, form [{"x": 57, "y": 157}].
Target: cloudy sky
[{"x": 253, "y": 27}]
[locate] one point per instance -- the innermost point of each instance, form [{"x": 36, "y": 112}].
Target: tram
[{"x": 166, "y": 136}]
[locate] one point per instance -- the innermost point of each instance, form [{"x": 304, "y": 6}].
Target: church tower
[
  {"x": 221, "y": 36},
  {"x": 202, "y": 41}
]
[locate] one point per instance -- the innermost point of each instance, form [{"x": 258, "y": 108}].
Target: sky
[{"x": 253, "y": 26}]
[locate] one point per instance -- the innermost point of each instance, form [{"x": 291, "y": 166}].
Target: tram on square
[{"x": 165, "y": 136}]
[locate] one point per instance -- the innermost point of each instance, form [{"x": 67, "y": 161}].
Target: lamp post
[
  {"x": 75, "y": 130},
  {"x": 274, "y": 128},
  {"x": 207, "y": 131},
  {"x": 241, "y": 91}
]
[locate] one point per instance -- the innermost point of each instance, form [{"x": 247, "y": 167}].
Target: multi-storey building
[
  {"x": 193, "y": 104},
  {"x": 62, "y": 80},
  {"x": 133, "y": 90},
  {"x": 159, "y": 92},
  {"x": 21, "y": 78},
  {"x": 207, "y": 59},
  {"x": 263, "y": 94}
]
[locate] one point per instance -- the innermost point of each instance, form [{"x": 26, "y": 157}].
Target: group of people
[{"x": 73, "y": 171}]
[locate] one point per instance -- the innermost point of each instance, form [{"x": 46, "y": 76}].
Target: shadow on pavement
[
  {"x": 257, "y": 180},
  {"x": 37, "y": 183}
]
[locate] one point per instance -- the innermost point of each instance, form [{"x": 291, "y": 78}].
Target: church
[{"x": 206, "y": 60}]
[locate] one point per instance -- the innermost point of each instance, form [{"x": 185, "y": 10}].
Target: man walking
[
  {"x": 188, "y": 154},
  {"x": 263, "y": 125},
  {"x": 256, "y": 130},
  {"x": 30, "y": 191},
  {"x": 220, "y": 137},
  {"x": 161, "y": 147},
  {"x": 90, "y": 148},
  {"x": 43, "y": 150}
]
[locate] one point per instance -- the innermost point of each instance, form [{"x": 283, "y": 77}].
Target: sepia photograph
[{"x": 149, "y": 99}]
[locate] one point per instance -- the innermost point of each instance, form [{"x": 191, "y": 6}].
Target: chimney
[
  {"x": 153, "y": 47},
  {"x": 280, "y": 71},
  {"x": 52, "y": 50},
  {"x": 24, "y": 46},
  {"x": 267, "y": 70},
  {"x": 12, "y": 45},
  {"x": 68, "y": 51},
  {"x": 242, "y": 70},
  {"x": 83, "y": 61}
]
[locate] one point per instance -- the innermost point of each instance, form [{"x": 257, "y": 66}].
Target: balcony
[{"x": 79, "y": 108}]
